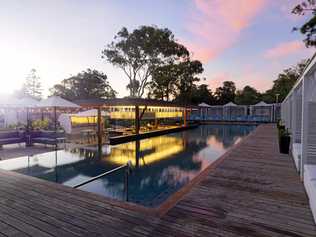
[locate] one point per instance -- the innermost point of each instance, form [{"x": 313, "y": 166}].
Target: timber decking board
[{"x": 254, "y": 191}]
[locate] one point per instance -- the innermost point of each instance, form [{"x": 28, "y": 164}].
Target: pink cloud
[
  {"x": 215, "y": 25},
  {"x": 284, "y": 49},
  {"x": 248, "y": 76}
]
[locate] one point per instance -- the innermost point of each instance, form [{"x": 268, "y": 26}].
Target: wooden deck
[{"x": 255, "y": 191}]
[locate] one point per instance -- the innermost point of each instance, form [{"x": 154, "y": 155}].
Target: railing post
[{"x": 126, "y": 177}]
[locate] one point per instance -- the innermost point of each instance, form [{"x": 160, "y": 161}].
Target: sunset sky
[{"x": 246, "y": 41}]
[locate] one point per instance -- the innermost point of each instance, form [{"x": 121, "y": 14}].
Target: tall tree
[
  {"x": 309, "y": 27},
  {"x": 187, "y": 72},
  {"x": 32, "y": 86},
  {"x": 140, "y": 52},
  {"x": 202, "y": 94},
  {"x": 285, "y": 82},
  {"x": 225, "y": 93},
  {"x": 162, "y": 85},
  {"x": 88, "y": 84},
  {"x": 247, "y": 96}
]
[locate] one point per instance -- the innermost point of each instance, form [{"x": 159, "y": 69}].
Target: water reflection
[{"x": 162, "y": 164}]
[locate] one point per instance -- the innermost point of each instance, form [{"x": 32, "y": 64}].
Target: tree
[
  {"x": 285, "y": 82},
  {"x": 89, "y": 84},
  {"x": 309, "y": 27},
  {"x": 162, "y": 85},
  {"x": 186, "y": 77},
  {"x": 141, "y": 52},
  {"x": 226, "y": 93},
  {"x": 202, "y": 94},
  {"x": 32, "y": 86},
  {"x": 247, "y": 96}
]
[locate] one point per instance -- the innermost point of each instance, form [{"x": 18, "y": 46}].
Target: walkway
[{"x": 255, "y": 191}]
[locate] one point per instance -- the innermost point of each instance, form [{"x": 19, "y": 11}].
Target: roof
[
  {"x": 204, "y": 105},
  {"x": 126, "y": 102},
  {"x": 230, "y": 104},
  {"x": 57, "y": 102},
  {"x": 262, "y": 104}
]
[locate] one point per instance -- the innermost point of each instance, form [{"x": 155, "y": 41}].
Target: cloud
[
  {"x": 284, "y": 49},
  {"x": 247, "y": 76},
  {"x": 215, "y": 25}
]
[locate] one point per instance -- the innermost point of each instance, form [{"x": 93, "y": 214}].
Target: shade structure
[
  {"x": 27, "y": 102},
  {"x": 204, "y": 105},
  {"x": 11, "y": 105},
  {"x": 56, "y": 102},
  {"x": 9, "y": 102},
  {"x": 230, "y": 104},
  {"x": 261, "y": 104}
]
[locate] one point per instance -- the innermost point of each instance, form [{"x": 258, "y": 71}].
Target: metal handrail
[{"x": 127, "y": 166}]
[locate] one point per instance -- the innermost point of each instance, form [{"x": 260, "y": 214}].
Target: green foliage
[
  {"x": 89, "y": 84},
  {"x": 247, "y": 96},
  {"x": 285, "y": 82},
  {"x": 40, "y": 124},
  {"x": 225, "y": 93},
  {"x": 202, "y": 94},
  {"x": 140, "y": 52},
  {"x": 309, "y": 27},
  {"x": 186, "y": 79}
]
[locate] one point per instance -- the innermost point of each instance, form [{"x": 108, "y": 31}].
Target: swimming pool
[{"x": 161, "y": 165}]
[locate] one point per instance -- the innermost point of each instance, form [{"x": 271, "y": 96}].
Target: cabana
[
  {"x": 261, "y": 112},
  {"x": 233, "y": 112},
  {"x": 203, "y": 107},
  {"x": 299, "y": 115},
  {"x": 211, "y": 112}
]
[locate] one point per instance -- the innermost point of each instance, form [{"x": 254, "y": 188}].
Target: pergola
[{"x": 136, "y": 109}]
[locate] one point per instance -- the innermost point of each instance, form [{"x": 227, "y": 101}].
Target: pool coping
[{"x": 170, "y": 202}]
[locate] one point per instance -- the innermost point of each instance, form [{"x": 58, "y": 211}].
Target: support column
[
  {"x": 185, "y": 116},
  {"x": 137, "y": 120},
  {"x": 99, "y": 128}
]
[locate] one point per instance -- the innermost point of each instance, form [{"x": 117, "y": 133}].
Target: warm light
[
  {"x": 152, "y": 112},
  {"x": 83, "y": 120},
  {"x": 158, "y": 148}
]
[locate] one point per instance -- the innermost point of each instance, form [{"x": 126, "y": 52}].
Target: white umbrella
[
  {"x": 56, "y": 102},
  {"x": 27, "y": 102}
]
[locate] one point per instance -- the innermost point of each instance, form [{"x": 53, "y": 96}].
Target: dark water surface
[{"x": 161, "y": 165}]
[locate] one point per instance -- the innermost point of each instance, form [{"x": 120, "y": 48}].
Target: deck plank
[{"x": 255, "y": 191}]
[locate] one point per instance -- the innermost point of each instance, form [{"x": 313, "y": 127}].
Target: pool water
[{"x": 161, "y": 165}]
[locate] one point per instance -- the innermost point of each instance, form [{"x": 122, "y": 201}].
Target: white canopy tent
[{"x": 16, "y": 110}]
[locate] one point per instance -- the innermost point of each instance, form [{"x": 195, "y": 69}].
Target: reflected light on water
[{"x": 149, "y": 151}]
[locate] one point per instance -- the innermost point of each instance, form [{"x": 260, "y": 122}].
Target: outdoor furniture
[
  {"x": 47, "y": 137},
  {"x": 13, "y": 137}
]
